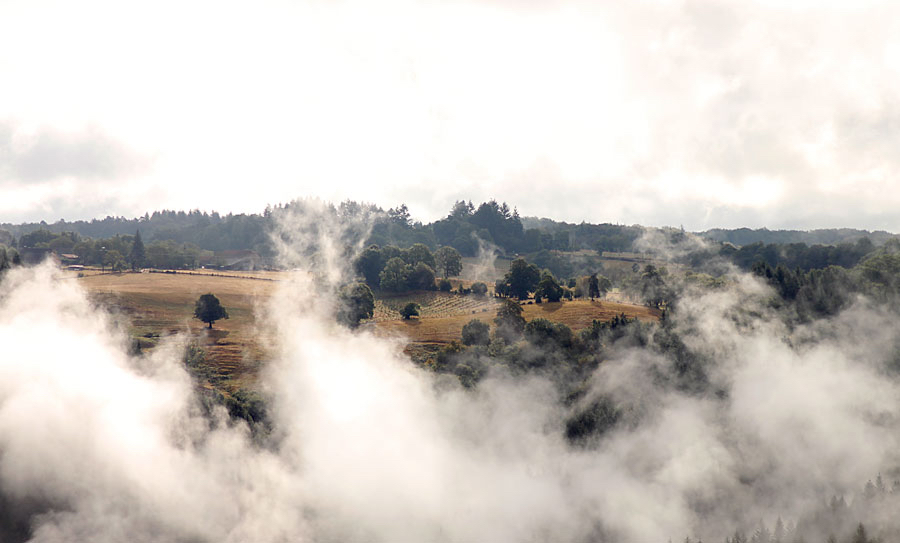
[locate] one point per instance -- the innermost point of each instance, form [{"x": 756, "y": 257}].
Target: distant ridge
[{"x": 825, "y": 236}]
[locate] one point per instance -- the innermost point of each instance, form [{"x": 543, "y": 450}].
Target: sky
[{"x": 699, "y": 114}]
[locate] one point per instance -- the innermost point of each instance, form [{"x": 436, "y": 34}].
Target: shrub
[
  {"x": 479, "y": 289},
  {"x": 410, "y": 310},
  {"x": 476, "y": 332},
  {"x": 542, "y": 331}
]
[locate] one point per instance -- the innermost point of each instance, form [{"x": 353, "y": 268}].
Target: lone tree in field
[
  {"x": 410, "y": 310},
  {"x": 449, "y": 261},
  {"x": 209, "y": 310}
]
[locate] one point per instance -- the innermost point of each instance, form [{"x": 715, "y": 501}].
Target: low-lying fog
[{"x": 98, "y": 445}]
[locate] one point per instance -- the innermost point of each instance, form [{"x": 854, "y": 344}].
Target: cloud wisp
[{"x": 99, "y": 445}]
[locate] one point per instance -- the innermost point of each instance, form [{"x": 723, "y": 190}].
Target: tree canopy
[
  {"x": 548, "y": 288},
  {"x": 410, "y": 310},
  {"x": 209, "y": 310},
  {"x": 394, "y": 275},
  {"x": 356, "y": 303},
  {"x": 448, "y": 261},
  {"x": 476, "y": 332},
  {"x": 138, "y": 252},
  {"x": 509, "y": 320},
  {"x": 521, "y": 279}
]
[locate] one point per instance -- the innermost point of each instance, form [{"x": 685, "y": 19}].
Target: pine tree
[
  {"x": 138, "y": 253},
  {"x": 593, "y": 287}
]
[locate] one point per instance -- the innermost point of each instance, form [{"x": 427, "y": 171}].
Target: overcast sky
[{"x": 700, "y": 114}]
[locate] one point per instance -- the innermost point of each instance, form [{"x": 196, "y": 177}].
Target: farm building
[{"x": 67, "y": 259}]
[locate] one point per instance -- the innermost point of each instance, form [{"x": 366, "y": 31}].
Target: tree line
[
  {"x": 393, "y": 269},
  {"x": 824, "y": 292},
  {"x": 466, "y": 228}
]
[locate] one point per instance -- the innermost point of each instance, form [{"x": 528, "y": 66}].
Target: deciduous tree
[
  {"x": 448, "y": 261},
  {"x": 356, "y": 303},
  {"x": 521, "y": 278},
  {"x": 476, "y": 332},
  {"x": 421, "y": 277},
  {"x": 509, "y": 320},
  {"x": 479, "y": 288},
  {"x": 548, "y": 288},
  {"x": 394, "y": 275},
  {"x": 209, "y": 310},
  {"x": 419, "y": 252}
]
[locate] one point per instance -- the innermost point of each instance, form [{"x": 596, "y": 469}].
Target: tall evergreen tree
[
  {"x": 138, "y": 253},
  {"x": 593, "y": 287}
]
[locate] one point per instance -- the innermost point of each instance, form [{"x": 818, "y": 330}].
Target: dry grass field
[
  {"x": 575, "y": 314},
  {"x": 159, "y": 304}
]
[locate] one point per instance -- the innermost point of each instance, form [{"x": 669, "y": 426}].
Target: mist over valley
[
  {"x": 449, "y": 271},
  {"x": 661, "y": 389}
]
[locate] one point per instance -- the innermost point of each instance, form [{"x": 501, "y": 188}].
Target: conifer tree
[{"x": 138, "y": 253}]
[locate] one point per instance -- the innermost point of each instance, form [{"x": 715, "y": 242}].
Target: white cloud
[{"x": 671, "y": 110}]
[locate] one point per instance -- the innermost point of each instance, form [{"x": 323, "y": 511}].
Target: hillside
[{"x": 155, "y": 305}]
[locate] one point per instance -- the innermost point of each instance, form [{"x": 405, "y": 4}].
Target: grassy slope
[{"x": 161, "y": 304}]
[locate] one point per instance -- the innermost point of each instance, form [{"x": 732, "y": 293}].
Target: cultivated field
[{"x": 433, "y": 304}]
